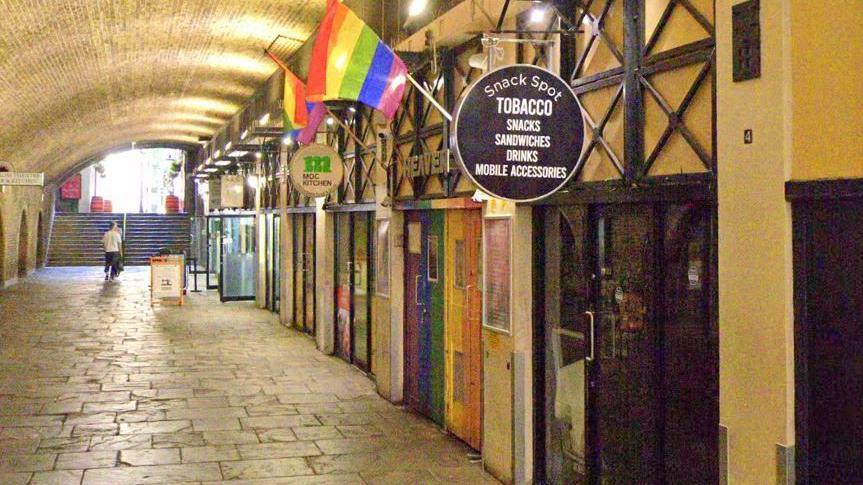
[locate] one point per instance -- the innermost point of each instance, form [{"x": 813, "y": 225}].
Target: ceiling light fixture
[
  {"x": 211, "y": 169},
  {"x": 244, "y": 135},
  {"x": 223, "y": 163},
  {"x": 417, "y": 7},
  {"x": 537, "y": 13},
  {"x": 264, "y": 119}
]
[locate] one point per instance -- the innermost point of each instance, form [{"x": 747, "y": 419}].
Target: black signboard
[{"x": 518, "y": 133}]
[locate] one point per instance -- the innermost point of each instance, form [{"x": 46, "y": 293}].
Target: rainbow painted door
[
  {"x": 463, "y": 325},
  {"x": 424, "y": 314}
]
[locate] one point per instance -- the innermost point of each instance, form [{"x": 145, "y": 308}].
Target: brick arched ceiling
[{"x": 78, "y": 77}]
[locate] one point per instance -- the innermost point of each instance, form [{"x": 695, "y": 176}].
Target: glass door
[
  {"x": 237, "y": 278},
  {"x": 267, "y": 221},
  {"x": 277, "y": 263},
  {"x": 362, "y": 336},
  {"x": 344, "y": 284},
  {"x": 214, "y": 255},
  {"x": 353, "y": 287},
  {"x": 631, "y": 361}
]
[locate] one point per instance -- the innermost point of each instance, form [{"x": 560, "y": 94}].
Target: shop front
[{"x": 630, "y": 347}]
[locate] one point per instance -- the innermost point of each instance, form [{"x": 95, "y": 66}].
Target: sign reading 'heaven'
[{"x": 518, "y": 133}]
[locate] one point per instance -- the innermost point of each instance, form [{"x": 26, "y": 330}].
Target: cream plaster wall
[
  {"x": 827, "y": 94},
  {"x": 755, "y": 276}
]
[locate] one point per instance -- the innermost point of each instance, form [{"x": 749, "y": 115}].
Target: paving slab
[{"x": 204, "y": 393}]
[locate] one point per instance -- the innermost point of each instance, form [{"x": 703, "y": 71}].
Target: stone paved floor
[{"x": 98, "y": 388}]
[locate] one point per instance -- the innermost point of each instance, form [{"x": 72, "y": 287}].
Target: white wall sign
[
  {"x": 22, "y": 178},
  {"x": 316, "y": 170},
  {"x": 232, "y": 191}
]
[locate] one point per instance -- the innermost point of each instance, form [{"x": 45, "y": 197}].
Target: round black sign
[{"x": 518, "y": 133}]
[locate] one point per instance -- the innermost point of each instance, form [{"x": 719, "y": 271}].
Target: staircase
[
  {"x": 76, "y": 239},
  {"x": 147, "y": 233}
]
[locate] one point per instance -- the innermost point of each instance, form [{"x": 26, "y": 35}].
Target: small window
[
  {"x": 432, "y": 259},
  {"x": 460, "y": 265},
  {"x": 382, "y": 257},
  {"x": 415, "y": 238}
]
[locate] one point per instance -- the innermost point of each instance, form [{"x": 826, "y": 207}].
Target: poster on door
[
  {"x": 496, "y": 265},
  {"x": 343, "y": 320}
]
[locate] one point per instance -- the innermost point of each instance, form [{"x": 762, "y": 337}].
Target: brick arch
[{"x": 164, "y": 71}]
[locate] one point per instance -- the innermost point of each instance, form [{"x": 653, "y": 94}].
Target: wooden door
[
  {"x": 424, "y": 315},
  {"x": 297, "y": 227},
  {"x": 308, "y": 270},
  {"x": 828, "y": 274},
  {"x": 416, "y": 316},
  {"x": 463, "y": 327}
]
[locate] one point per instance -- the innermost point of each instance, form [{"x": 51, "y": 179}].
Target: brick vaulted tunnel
[{"x": 80, "y": 77}]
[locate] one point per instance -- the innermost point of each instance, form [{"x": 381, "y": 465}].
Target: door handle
[
  {"x": 417, "y": 295},
  {"x": 592, "y": 331}
]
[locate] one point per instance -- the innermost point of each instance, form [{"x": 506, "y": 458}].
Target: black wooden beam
[{"x": 633, "y": 114}]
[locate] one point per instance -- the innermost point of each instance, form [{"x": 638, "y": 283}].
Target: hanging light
[
  {"x": 330, "y": 121},
  {"x": 252, "y": 181},
  {"x": 287, "y": 139},
  {"x": 417, "y": 7},
  {"x": 537, "y": 13}
]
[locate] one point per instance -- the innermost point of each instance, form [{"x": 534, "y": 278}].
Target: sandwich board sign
[
  {"x": 518, "y": 133},
  {"x": 166, "y": 279},
  {"x": 316, "y": 170}
]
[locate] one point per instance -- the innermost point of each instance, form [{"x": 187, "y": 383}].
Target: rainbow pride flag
[
  {"x": 349, "y": 61},
  {"x": 296, "y": 114}
]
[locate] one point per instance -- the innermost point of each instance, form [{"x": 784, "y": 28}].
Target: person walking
[{"x": 113, "y": 242}]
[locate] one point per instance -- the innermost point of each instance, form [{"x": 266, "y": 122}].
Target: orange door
[{"x": 463, "y": 336}]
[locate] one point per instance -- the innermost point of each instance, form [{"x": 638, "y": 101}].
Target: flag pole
[
  {"x": 431, "y": 98},
  {"x": 347, "y": 129}
]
